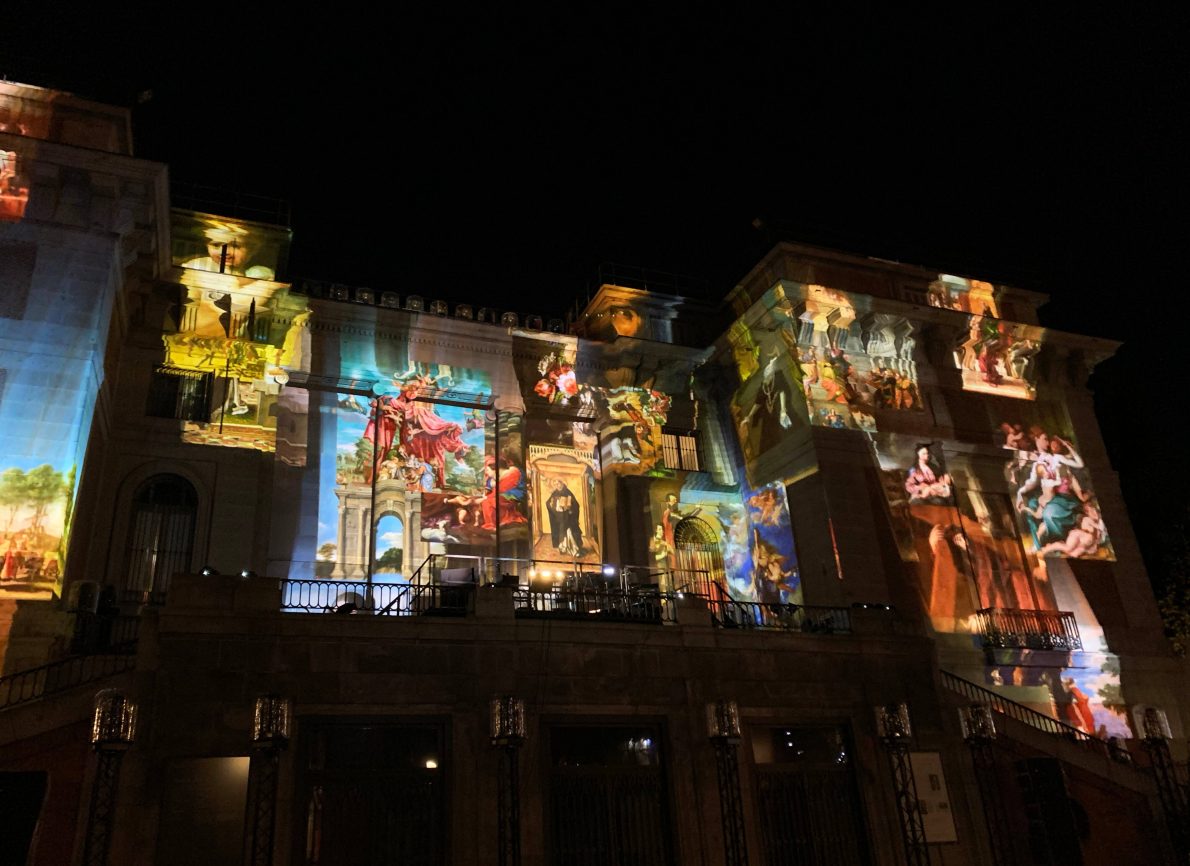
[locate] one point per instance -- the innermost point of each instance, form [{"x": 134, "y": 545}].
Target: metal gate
[
  {"x": 808, "y": 803},
  {"x": 607, "y": 803},
  {"x": 372, "y": 794},
  {"x": 699, "y": 561}
]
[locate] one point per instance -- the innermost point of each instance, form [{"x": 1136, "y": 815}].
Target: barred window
[
  {"x": 181, "y": 394},
  {"x": 680, "y": 450}
]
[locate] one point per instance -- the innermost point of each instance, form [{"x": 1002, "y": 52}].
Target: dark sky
[{"x": 481, "y": 157}]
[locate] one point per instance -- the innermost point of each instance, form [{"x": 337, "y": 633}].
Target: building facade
[{"x": 665, "y": 582}]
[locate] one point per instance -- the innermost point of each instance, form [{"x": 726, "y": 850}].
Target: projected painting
[
  {"x": 629, "y": 421},
  {"x": 949, "y": 292},
  {"x": 565, "y": 504},
  {"x": 999, "y": 357},
  {"x": 14, "y": 186},
  {"x": 232, "y": 339},
  {"x": 1056, "y": 507},
  {"x": 420, "y": 461}
]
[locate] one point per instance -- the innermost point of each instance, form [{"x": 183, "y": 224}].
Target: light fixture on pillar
[
  {"x": 1155, "y": 726},
  {"x": 113, "y": 731},
  {"x": 272, "y": 720},
  {"x": 979, "y": 733},
  {"x": 507, "y": 731},
  {"x": 896, "y": 732},
  {"x": 723, "y": 730}
]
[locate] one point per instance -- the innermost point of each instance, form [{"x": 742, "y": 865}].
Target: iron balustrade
[
  {"x": 96, "y": 633},
  {"x": 807, "y": 619},
  {"x": 1028, "y": 629},
  {"x": 595, "y": 604},
  {"x": 380, "y": 599},
  {"x": 48, "y": 679},
  {"x": 1025, "y": 715}
]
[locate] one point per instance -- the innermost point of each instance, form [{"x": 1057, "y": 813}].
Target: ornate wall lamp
[
  {"x": 507, "y": 729},
  {"x": 896, "y": 732},
  {"x": 113, "y": 730},
  {"x": 272, "y": 721},
  {"x": 723, "y": 730},
  {"x": 979, "y": 733}
]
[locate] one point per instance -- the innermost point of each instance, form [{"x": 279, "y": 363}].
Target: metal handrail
[
  {"x": 58, "y": 676},
  {"x": 599, "y": 604},
  {"x": 1021, "y": 713},
  {"x": 806, "y": 619},
  {"x": 1028, "y": 629}
]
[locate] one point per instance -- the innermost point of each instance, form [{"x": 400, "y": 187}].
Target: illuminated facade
[{"x": 852, "y": 484}]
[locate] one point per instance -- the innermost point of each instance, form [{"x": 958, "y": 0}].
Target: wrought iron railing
[
  {"x": 1021, "y": 713},
  {"x": 608, "y": 605},
  {"x": 96, "y": 633},
  {"x": 1028, "y": 629},
  {"x": 780, "y": 617},
  {"x": 24, "y": 686},
  {"x": 379, "y": 599}
]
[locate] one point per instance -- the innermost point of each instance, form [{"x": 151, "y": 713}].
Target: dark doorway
[
  {"x": 607, "y": 799},
  {"x": 807, "y": 798},
  {"x": 371, "y": 793},
  {"x": 21, "y": 796}
]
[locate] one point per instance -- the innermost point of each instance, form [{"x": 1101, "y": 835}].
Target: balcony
[
  {"x": 780, "y": 617},
  {"x": 1002, "y": 628}
]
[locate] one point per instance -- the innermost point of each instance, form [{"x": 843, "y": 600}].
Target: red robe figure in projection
[
  {"x": 416, "y": 425},
  {"x": 506, "y": 497}
]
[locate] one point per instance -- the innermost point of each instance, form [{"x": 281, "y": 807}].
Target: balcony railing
[
  {"x": 614, "y": 605},
  {"x": 780, "y": 617},
  {"x": 379, "y": 599},
  {"x": 96, "y": 633},
  {"x": 1003, "y": 628}
]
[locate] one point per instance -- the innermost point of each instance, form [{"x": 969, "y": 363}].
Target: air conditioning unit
[
  {"x": 439, "y": 308},
  {"x": 533, "y": 323},
  {"x": 365, "y": 296},
  {"x": 391, "y": 300},
  {"x": 463, "y": 311},
  {"x": 510, "y": 320},
  {"x": 415, "y": 303}
]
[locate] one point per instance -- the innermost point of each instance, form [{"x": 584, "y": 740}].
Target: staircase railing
[
  {"x": 1021, "y": 713},
  {"x": 58, "y": 676}
]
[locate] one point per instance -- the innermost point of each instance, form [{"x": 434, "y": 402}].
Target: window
[
  {"x": 680, "y": 450},
  {"x": 180, "y": 394},
  {"x": 161, "y": 534}
]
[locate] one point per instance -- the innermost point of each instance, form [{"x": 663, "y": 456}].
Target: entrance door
[
  {"x": 699, "y": 559},
  {"x": 371, "y": 792}
]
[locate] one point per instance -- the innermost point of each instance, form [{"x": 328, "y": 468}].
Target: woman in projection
[
  {"x": 1051, "y": 500},
  {"x": 927, "y": 482}
]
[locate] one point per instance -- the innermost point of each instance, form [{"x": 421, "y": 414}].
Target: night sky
[{"x": 499, "y": 159}]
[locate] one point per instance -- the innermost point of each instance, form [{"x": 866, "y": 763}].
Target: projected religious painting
[
  {"x": 1056, "y": 507},
  {"x": 233, "y": 338},
  {"x": 410, "y": 456},
  {"x": 629, "y": 421},
  {"x": 949, "y": 292},
  {"x": 999, "y": 357},
  {"x": 14, "y": 186},
  {"x": 565, "y": 504}
]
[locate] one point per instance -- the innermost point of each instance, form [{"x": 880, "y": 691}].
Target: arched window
[
  {"x": 160, "y": 534},
  {"x": 699, "y": 559}
]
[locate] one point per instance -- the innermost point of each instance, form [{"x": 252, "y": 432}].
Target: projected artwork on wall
[
  {"x": 629, "y": 421},
  {"x": 232, "y": 338},
  {"x": 949, "y": 292},
  {"x": 998, "y": 357},
  {"x": 1056, "y": 506},
  {"x": 419, "y": 461},
  {"x": 14, "y": 186},
  {"x": 565, "y": 504}
]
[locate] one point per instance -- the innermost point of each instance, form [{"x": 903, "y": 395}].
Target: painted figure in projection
[{"x": 414, "y": 424}]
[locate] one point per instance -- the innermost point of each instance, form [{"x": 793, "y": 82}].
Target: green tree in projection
[
  {"x": 14, "y": 486},
  {"x": 45, "y": 486},
  {"x": 390, "y": 560},
  {"x": 1171, "y": 581},
  {"x": 328, "y": 550}
]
